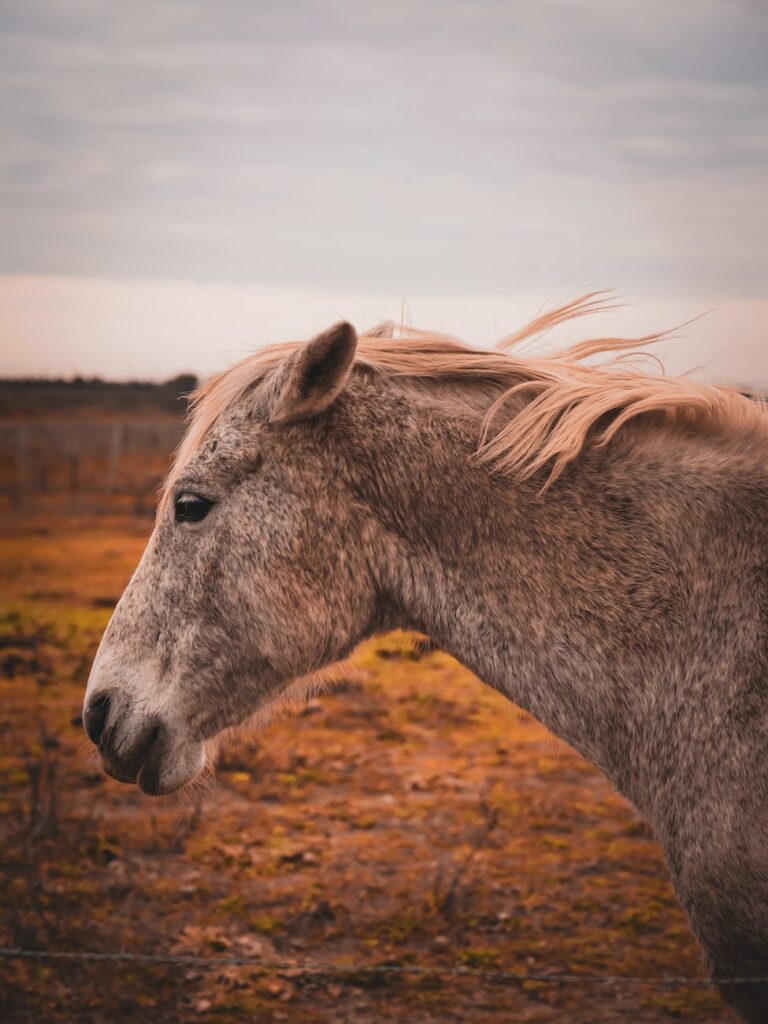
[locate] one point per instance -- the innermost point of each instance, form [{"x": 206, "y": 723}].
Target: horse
[{"x": 589, "y": 538}]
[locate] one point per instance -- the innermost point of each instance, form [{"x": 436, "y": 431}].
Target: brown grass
[{"x": 412, "y": 817}]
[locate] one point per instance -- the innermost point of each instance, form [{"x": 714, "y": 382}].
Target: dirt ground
[{"x": 410, "y": 817}]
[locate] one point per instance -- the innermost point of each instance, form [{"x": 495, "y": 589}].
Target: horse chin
[{"x": 160, "y": 776}]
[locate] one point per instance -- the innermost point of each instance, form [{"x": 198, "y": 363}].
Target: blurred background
[{"x": 183, "y": 181}]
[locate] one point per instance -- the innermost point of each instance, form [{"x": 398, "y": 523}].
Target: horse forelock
[{"x": 567, "y": 397}]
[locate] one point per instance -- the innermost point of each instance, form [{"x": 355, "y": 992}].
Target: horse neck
[{"x": 588, "y": 605}]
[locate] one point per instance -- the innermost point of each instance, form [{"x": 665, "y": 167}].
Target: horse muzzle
[{"x": 139, "y": 748}]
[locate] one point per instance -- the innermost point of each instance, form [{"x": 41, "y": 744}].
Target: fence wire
[{"x": 295, "y": 968}]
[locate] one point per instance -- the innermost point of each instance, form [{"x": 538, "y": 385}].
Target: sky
[{"x": 182, "y": 181}]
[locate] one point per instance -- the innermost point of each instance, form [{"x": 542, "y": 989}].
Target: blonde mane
[{"x": 567, "y": 396}]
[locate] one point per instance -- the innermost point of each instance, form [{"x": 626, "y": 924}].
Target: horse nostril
[{"x": 95, "y": 717}]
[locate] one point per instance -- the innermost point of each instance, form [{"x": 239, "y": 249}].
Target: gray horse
[{"x": 589, "y": 540}]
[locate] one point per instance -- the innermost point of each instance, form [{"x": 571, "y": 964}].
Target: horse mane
[{"x": 567, "y": 397}]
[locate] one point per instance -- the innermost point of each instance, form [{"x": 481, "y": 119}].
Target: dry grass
[{"x": 413, "y": 817}]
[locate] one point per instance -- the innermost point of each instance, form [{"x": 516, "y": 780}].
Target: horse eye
[{"x": 191, "y": 508}]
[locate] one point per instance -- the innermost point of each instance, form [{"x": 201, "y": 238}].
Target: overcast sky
[{"x": 181, "y": 180}]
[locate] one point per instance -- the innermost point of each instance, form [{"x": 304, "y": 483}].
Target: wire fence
[
  {"x": 102, "y": 456},
  {"x": 359, "y": 970}
]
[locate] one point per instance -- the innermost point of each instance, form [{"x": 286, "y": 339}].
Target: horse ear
[
  {"x": 386, "y": 329},
  {"x": 309, "y": 380}
]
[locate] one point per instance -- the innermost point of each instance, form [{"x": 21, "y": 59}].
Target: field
[{"x": 408, "y": 818}]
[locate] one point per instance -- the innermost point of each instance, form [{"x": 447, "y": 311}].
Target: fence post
[
  {"x": 115, "y": 447},
  {"x": 73, "y": 466},
  {"x": 22, "y": 448}
]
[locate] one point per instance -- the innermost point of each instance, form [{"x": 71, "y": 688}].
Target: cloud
[{"x": 405, "y": 148}]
